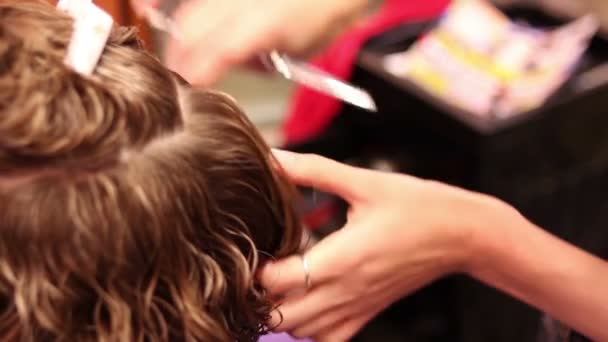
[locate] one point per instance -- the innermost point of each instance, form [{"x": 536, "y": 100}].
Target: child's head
[{"x": 132, "y": 208}]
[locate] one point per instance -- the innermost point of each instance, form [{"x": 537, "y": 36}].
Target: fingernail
[{"x": 283, "y": 156}]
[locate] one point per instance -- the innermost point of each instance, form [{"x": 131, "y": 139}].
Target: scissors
[{"x": 295, "y": 71}]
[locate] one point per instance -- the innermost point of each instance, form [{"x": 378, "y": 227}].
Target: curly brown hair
[{"x": 132, "y": 206}]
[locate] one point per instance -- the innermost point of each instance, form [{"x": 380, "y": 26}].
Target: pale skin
[
  {"x": 403, "y": 233},
  {"x": 220, "y": 34}
]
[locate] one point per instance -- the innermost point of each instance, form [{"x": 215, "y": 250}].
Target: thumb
[{"x": 324, "y": 174}]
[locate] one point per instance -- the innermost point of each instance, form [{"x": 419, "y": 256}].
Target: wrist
[
  {"x": 473, "y": 233},
  {"x": 488, "y": 232}
]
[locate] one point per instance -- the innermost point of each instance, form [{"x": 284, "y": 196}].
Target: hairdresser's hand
[
  {"x": 219, "y": 34},
  {"x": 402, "y": 234}
]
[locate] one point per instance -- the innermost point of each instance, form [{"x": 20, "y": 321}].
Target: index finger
[{"x": 324, "y": 174}]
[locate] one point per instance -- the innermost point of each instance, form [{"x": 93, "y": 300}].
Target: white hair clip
[{"x": 92, "y": 28}]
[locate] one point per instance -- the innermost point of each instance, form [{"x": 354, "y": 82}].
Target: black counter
[{"x": 551, "y": 164}]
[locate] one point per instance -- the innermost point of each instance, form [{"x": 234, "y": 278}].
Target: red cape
[{"x": 311, "y": 112}]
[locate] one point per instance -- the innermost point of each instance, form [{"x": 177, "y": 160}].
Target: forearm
[{"x": 528, "y": 263}]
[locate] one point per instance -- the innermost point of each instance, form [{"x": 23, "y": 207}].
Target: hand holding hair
[
  {"x": 403, "y": 233},
  {"x": 396, "y": 241}
]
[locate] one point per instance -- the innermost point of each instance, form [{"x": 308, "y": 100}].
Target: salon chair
[{"x": 550, "y": 163}]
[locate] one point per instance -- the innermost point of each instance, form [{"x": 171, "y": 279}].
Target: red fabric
[{"x": 311, "y": 112}]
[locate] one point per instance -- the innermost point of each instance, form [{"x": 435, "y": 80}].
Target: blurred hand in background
[{"x": 220, "y": 34}]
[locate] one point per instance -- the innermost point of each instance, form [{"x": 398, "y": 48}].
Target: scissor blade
[
  {"x": 323, "y": 82},
  {"x": 298, "y": 72}
]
